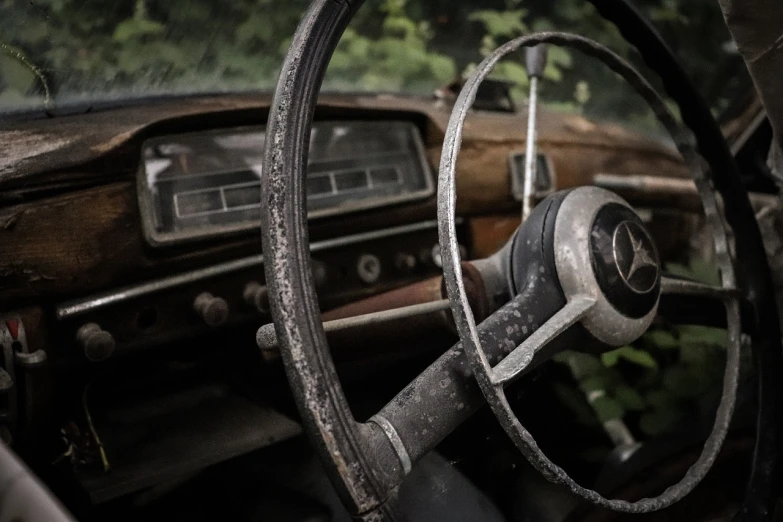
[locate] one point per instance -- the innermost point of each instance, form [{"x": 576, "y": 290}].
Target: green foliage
[
  {"x": 630, "y": 398},
  {"x": 668, "y": 377},
  {"x": 84, "y": 50},
  {"x": 607, "y": 408},
  {"x": 630, "y": 354},
  {"x": 501, "y": 24},
  {"x": 137, "y": 28},
  {"x": 396, "y": 60}
]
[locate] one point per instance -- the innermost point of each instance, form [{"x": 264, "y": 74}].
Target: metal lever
[
  {"x": 535, "y": 63},
  {"x": 266, "y": 338}
]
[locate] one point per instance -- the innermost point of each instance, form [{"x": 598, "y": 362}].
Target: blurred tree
[{"x": 86, "y": 50}]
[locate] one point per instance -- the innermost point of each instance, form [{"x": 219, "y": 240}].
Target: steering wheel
[{"x": 582, "y": 271}]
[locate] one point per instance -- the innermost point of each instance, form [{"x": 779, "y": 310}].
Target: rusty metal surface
[
  {"x": 338, "y": 438},
  {"x": 467, "y": 326}
]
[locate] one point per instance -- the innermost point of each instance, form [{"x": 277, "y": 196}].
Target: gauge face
[{"x": 200, "y": 185}]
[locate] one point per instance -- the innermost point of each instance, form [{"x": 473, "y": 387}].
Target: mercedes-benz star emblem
[{"x": 635, "y": 256}]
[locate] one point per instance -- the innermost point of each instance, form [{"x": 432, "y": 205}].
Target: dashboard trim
[{"x": 79, "y": 307}]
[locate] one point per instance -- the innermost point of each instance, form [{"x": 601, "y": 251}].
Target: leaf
[
  {"x": 511, "y": 71},
  {"x": 16, "y": 75},
  {"x": 553, "y": 73},
  {"x": 697, "y": 354},
  {"x": 661, "y": 339},
  {"x": 400, "y": 27},
  {"x": 582, "y": 365},
  {"x": 256, "y": 28},
  {"x": 136, "y": 28},
  {"x": 595, "y": 383},
  {"x": 560, "y": 56},
  {"x": 606, "y": 408},
  {"x": 35, "y": 32},
  {"x": 582, "y": 93},
  {"x": 691, "y": 335},
  {"x": 610, "y": 358},
  {"x": 704, "y": 271},
  {"x": 629, "y": 398},
  {"x": 630, "y": 354},
  {"x": 678, "y": 270},
  {"x": 501, "y": 23}
]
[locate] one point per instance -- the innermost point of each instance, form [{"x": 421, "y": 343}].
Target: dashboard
[
  {"x": 126, "y": 226},
  {"x": 132, "y": 241}
]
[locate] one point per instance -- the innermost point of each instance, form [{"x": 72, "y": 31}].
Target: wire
[{"x": 93, "y": 431}]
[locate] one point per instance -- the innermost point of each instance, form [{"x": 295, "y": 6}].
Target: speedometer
[{"x": 201, "y": 185}]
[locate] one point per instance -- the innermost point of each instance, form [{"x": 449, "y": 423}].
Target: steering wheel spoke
[
  {"x": 512, "y": 366},
  {"x": 445, "y": 394},
  {"x": 679, "y": 286}
]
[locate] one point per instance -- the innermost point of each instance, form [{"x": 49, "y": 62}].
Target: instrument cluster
[{"x": 198, "y": 185}]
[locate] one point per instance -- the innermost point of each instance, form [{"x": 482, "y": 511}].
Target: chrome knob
[
  {"x": 212, "y": 310},
  {"x": 257, "y": 296},
  {"x": 405, "y": 263},
  {"x": 97, "y": 343}
]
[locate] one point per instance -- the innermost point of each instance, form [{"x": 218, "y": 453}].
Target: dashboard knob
[
  {"x": 257, "y": 296},
  {"x": 436, "y": 256},
  {"x": 405, "y": 263},
  {"x": 212, "y": 310},
  {"x": 368, "y": 268},
  {"x": 319, "y": 273},
  {"x": 6, "y": 381},
  {"x": 97, "y": 343}
]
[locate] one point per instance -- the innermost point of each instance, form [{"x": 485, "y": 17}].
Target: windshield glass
[{"x": 63, "y": 52}]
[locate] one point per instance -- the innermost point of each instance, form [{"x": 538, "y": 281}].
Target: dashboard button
[{"x": 212, "y": 310}]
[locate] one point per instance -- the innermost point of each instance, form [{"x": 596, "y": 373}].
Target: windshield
[{"x": 64, "y": 52}]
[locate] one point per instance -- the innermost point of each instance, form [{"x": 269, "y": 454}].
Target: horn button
[
  {"x": 589, "y": 242},
  {"x": 625, "y": 260}
]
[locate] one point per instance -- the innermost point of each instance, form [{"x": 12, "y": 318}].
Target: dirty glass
[{"x": 55, "y": 53}]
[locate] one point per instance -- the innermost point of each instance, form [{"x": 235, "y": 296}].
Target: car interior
[{"x": 399, "y": 260}]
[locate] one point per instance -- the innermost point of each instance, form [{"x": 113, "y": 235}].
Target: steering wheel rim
[
  {"x": 485, "y": 373},
  {"x": 341, "y": 441}
]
